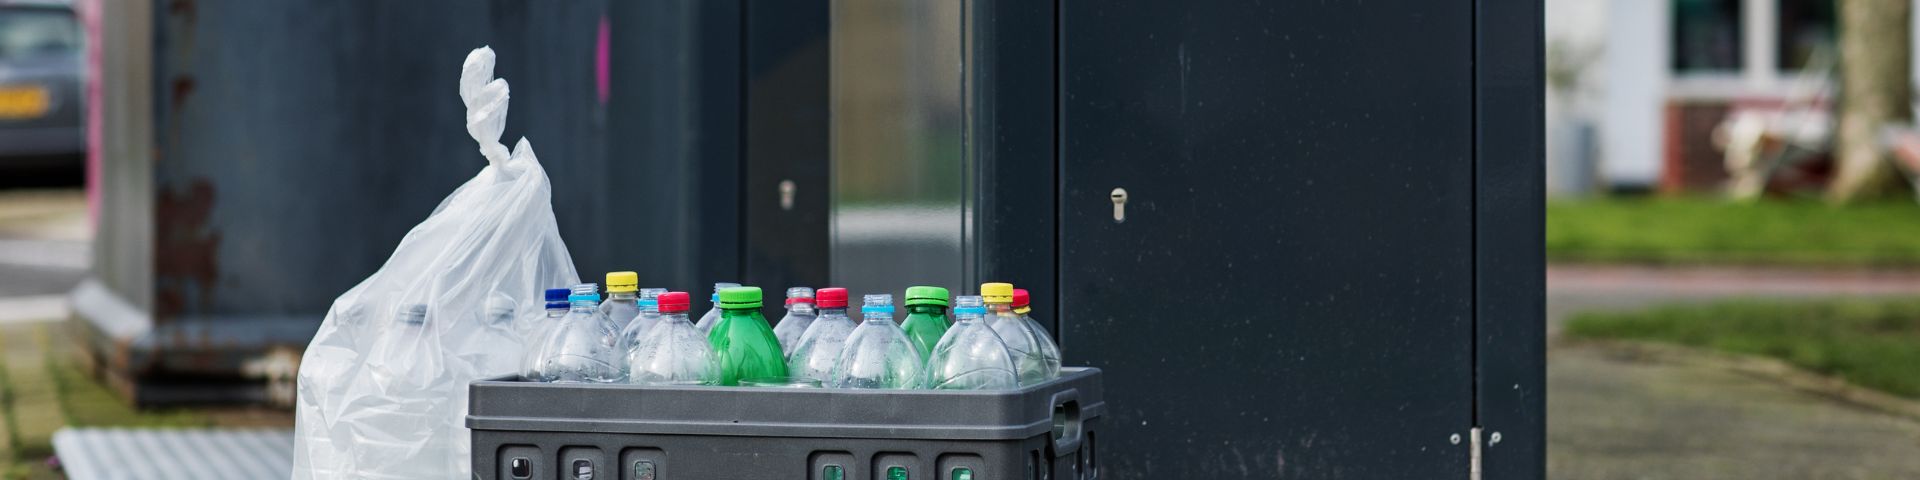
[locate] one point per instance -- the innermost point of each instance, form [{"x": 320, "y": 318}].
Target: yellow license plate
[{"x": 23, "y": 102}]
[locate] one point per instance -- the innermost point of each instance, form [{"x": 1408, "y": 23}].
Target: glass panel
[
  {"x": 1806, "y": 32},
  {"x": 899, "y": 175},
  {"x": 1706, "y": 35}
]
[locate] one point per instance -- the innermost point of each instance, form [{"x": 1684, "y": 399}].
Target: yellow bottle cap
[
  {"x": 996, "y": 292},
  {"x": 1023, "y": 310},
  {"x": 623, "y": 282}
]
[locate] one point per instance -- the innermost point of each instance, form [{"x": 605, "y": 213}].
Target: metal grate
[{"x": 127, "y": 453}]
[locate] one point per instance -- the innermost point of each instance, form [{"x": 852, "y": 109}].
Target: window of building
[
  {"x": 1806, "y": 30},
  {"x": 1706, "y": 35}
]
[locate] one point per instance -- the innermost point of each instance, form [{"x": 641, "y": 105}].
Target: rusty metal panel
[{"x": 295, "y": 143}]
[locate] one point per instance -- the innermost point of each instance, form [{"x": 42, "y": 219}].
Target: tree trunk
[{"x": 1875, "y": 69}]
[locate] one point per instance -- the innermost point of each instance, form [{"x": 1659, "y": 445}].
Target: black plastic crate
[{"x": 526, "y": 430}]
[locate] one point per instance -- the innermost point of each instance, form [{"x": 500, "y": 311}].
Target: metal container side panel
[
  {"x": 298, "y": 143},
  {"x": 1010, "y": 88},
  {"x": 1290, "y": 293},
  {"x": 785, "y": 67},
  {"x": 673, "y": 120},
  {"x": 1510, "y": 250}
]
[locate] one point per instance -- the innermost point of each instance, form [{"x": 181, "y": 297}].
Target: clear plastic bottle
[
  {"x": 623, "y": 299},
  {"x": 742, "y": 339},
  {"x": 799, "y": 316},
  {"x": 819, "y": 346},
  {"x": 495, "y": 331},
  {"x": 1022, "y": 306},
  {"x": 926, "y": 317},
  {"x": 672, "y": 352},
  {"x": 878, "y": 353},
  {"x": 970, "y": 356},
  {"x": 405, "y": 362},
  {"x": 1034, "y": 356},
  {"x": 649, "y": 316},
  {"x": 538, "y": 328},
  {"x": 581, "y": 347},
  {"x": 713, "y": 314}
]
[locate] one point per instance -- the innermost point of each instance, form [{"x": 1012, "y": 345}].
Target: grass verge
[
  {"x": 1713, "y": 231},
  {"x": 1870, "y": 343}
]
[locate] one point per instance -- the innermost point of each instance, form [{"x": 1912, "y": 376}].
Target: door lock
[
  {"x": 787, "y": 189},
  {"x": 1119, "y": 197}
]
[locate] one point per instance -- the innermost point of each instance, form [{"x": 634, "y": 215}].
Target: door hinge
[{"x": 1473, "y": 454}]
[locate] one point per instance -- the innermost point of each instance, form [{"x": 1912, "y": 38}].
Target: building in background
[{"x": 1637, "y": 87}]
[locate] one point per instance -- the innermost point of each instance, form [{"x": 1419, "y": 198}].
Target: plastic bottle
[
  {"x": 926, "y": 317},
  {"x": 713, "y": 314},
  {"x": 623, "y": 299},
  {"x": 799, "y": 316},
  {"x": 742, "y": 340},
  {"x": 970, "y": 356},
  {"x": 672, "y": 352},
  {"x": 405, "y": 362},
  {"x": 581, "y": 347},
  {"x": 537, "y": 330},
  {"x": 878, "y": 353},
  {"x": 495, "y": 331},
  {"x": 819, "y": 346},
  {"x": 1030, "y": 347},
  {"x": 1022, "y": 306},
  {"x": 649, "y": 316}
]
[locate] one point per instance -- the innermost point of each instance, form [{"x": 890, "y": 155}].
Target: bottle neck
[
  {"x": 934, "y": 310},
  {"x": 999, "y": 308},
  {"x": 585, "y": 305},
  {"x": 840, "y": 312},
  {"x": 801, "y": 308},
  {"x": 967, "y": 317},
  {"x": 674, "y": 317},
  {"x": 872, "y": 316},
  {"x": 623, "y": 296}
]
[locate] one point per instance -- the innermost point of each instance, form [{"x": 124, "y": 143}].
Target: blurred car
[{"x": 42, "y": 78}]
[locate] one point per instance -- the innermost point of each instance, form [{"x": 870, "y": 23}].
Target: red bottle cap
[
  {"x": 1020, "y": 298},
  {"x": 830, "y": 298},
  {"x": 673, "y": 302}
]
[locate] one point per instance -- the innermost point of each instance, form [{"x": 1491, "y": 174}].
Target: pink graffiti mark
[
  {"x": 185, "y": 250},
  {"x": 602, "y": 50}
]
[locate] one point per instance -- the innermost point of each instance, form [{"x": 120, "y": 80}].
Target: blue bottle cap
[{"x": 558, "y": 294}]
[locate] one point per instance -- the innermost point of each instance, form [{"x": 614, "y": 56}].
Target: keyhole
[
  {"x": 1119, "y": 196},
  {"x": 786, "y": 194}
]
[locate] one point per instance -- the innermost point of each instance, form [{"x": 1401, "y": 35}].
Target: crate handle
[{"x": 1067, "y": 430}]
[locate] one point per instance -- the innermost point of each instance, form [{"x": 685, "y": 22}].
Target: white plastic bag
[{"x": 383, "y": 386}]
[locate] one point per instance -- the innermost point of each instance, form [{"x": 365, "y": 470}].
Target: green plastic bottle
[
  {"x": 742, "y": 339},
  {"x": 926, "y": 318}
]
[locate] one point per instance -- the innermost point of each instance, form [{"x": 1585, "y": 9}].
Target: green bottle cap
[
  {"x": 740, "y": 297},
  {"x": 926, "y": 296}
]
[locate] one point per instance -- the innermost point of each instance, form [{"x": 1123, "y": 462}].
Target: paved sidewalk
[
  {"x": 1572, "y": 289},
  {"x": 1612, "y": 414},
  {"x": 44, "y": 251}
]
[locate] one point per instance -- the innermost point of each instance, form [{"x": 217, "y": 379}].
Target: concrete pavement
[
  {"x": 1614, "y": 414},
  {"x": 44, "y": 247}
]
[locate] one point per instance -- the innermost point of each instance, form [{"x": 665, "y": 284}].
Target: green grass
[
  {"x": 1871, "y": 343},
  {"x": 1712, "y": 231}
]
